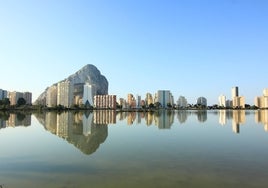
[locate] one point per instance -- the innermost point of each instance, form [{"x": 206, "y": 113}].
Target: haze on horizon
[{"x": 192, "y": 48}]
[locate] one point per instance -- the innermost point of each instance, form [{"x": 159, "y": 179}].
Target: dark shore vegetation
[{"x": 22, "y": 107}]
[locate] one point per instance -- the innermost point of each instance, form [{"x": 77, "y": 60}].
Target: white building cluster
[
  {"x": 68, "y": 94},
  {"x": 236, "y": 102},
  {"x": 262, "y": 101},
  {"x": 14, "y": 96}
]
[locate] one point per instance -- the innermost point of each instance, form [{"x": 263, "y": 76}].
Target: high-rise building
[
  {"x": 89, "y": 93},
  {"x": 182, "y": 102},
  {"x": 202, "y": 101},
  {"x": 222, "y": 101},
  {"x": 51, "y": 98},
  {"x": 262, "y": 101},
  {"x": 239, "y": 102},
  {"x": 3, "y": 94},
  {"x": 265, "y": 92},
  {"x": 149, "y": 99},
  {"x": 65, "y": 94},
  {"x": 229, "y": 103},
  {"x": 28, "y": 97},
  {"x": 235, "y": 92},
  {"x": 78, "y": 93},
  {"x": 122, "y": 102},
  {"x": 14, "y": 97},
  {"x": 138, "y": 102},
  {"x": 164, "y": 97},
  {"x": 132, "y": 103},
  {"x": 105, "y": 101}
]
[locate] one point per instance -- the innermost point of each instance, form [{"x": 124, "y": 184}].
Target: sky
[{"x": 191, "y": 47}]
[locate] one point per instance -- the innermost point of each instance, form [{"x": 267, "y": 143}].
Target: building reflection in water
[
  {"x": 164, "y": 119},
  {"x": 15, "y": 120},
  {"x": 202, "y": 115},
  {"x": 84, "y": 130},
  {"x": 149, "y": 117},
  {"x": 237, "y": 117},
  {"x": 182, "y": 116},
  {"x": 261, "y": 116},
  {"x": 222, "y": 116},
  {"x": 87, "y": 130}
]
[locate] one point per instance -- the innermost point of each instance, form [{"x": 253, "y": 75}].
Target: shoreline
[{"x": 36, "y": 108}]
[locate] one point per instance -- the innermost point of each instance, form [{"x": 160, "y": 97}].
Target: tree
[
  {"x": 169, "y": 105},
  {"x": 6, "y": 101},
  {"x": 151, "y": 106},
  {"x": 158, "y": 105},
  {"x": 21, "y": 101}
]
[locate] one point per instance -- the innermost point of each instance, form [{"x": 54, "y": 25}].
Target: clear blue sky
[{"x": 192, "y": 47}]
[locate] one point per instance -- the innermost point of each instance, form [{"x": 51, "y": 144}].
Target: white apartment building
[
  {"x": 89, "y": 93},
  {"x": 164, "y": 97},
  {"x": 182, "y": 102},
  {"x": 51, "y": 98},
  {"x": 222, "y": 101},
  {"x": 65, "y": 94}
]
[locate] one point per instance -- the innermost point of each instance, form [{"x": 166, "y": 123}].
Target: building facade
[
  {"x": 138, "y": 101},
  {"x": 262, "y": 101},
  {"x": 105, "y": 101},
  {"x": 149, "y": 99},
  {"x": 201, "y": 101},
  {"x": 88, "y": 94},
  {"x": 235, "y": 92},
  {"x": 65, "y": 94},
  {"x": 28, "y": 97},
  {"x": 182, "y": 102},
  {"x": 222, "y": 101},
  {"x": 51, "y": 99},
  {"x": 131, "y": 101},
  {"x": 164, "y": 97},
  {"x": 3, "y": 94},
  {"x": 239, "y": 102},
  {"x": 14, "y": 97}
]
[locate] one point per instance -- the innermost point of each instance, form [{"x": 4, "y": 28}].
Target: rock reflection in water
[{"x": 79, "y": 129}]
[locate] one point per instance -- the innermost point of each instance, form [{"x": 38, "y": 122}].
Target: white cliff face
[{"x": 88, "y": 74}]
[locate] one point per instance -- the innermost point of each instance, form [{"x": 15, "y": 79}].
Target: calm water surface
[{"x": 108, "y": 149}]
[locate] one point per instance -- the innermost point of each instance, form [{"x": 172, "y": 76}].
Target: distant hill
[{"x": 88, "y": 74}]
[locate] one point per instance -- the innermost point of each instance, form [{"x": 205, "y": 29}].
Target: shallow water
[{"x": 105, "y": 149}]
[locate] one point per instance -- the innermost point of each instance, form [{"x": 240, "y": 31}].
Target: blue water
[{"x": 108, "y": 149}]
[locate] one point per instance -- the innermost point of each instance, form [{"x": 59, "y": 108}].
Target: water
[{"x": 164, "y": 149}]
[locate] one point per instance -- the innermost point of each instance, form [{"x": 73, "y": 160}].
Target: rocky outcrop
[{"x": 88, "y": 74}]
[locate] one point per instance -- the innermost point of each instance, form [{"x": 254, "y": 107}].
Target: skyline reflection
[
  {"x": 15, "y": 120},
  {"x": 88, "y": 130},
  {"x": 80, "y": 129}
]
